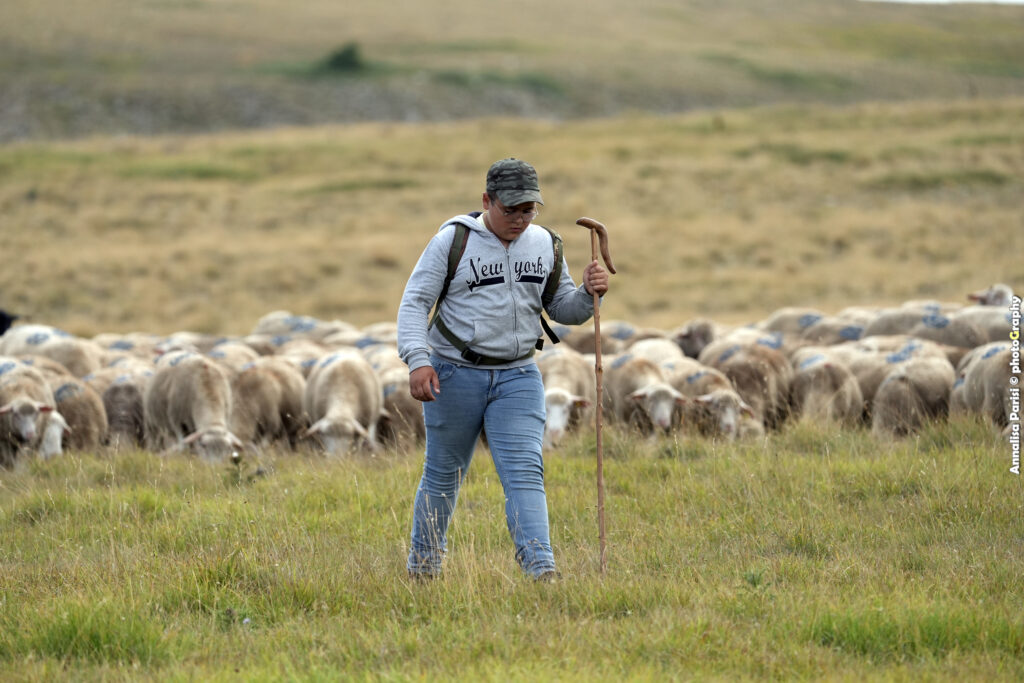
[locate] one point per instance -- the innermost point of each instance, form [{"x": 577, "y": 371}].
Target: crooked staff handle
[{"x": 597, "y": 227}]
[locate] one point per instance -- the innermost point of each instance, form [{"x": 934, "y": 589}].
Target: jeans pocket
[{"x": 444, "y": 370}]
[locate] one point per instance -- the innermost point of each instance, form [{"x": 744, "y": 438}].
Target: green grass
[{"x": 812, "y": 554}]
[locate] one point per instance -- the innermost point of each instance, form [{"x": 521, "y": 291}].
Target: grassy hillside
[
  {"x": 815, "y": 555},
  {"x": 728, "y": 215},
  {"x": 156, "y": 66}
]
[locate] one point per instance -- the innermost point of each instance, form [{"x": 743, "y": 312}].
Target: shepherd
[{"x": 472, "y": 364}]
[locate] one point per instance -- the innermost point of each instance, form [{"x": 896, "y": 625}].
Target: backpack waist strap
[{"x": 468, "y": 353}]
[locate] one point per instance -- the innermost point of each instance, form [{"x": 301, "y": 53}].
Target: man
[{"x": 473, "y": 367}]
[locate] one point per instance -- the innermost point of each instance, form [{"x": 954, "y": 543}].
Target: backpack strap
[
  {"x": 551, "y": 286},
  {"x": 458, "y": 248}
]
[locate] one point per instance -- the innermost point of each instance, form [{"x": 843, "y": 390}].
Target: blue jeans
[{"x": 509, "y": 405}]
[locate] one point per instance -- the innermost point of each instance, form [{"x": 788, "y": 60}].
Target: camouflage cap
[{"x": 513, "y": 182}]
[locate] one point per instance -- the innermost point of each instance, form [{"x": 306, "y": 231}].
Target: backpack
[{"x": 459, "y": 241}]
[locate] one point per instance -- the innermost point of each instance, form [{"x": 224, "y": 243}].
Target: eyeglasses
[{"x": 527, "y": 214}]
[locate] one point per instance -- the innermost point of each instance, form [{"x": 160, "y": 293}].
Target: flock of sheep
[{"x": 301, "y": 383}]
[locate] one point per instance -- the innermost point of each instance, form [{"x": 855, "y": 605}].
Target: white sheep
[
  {"x": 759, "y": 371},
  {"x": 25, "y": 402},
  {"x": 824, "y": 389},
  {"x": 80, "y": 356},
  {"x": 982, "y": 385},
  {"x": 636, "y": 394},
  {"x": 267, "y": 396},
  {"x": 187, "y": 404},
  {"x": 712, "y": 408},
  {"x": 402, "y": 421},
  {"x": 83, "y": 410},
  {"x": 570, "y": 392},
  {"x": 911, "y": 394},
  {"x": 344, "y": 400}
]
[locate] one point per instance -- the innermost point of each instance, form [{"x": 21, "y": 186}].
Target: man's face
[{"x": 508, "y": 222}]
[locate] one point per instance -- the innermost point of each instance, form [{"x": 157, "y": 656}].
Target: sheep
[
  {"x": 402, "y": 421},
  {"x": 694, "y": 335},
  {"x": 303, "y": 353},
  {"x": 83, "y": 410},
  {"x": 48, "y": 367},
  {"x": 79, "y": 356},
  {"x": 914, "y": 392},
  {"x": 570, "y": 392},
  {"x": 999, "y": 295},
  {"x": 344, "y": 400},
  {"x": 824, "y": 389},
  {"x": 267, "y": 402},
  {"x": 871, "y": 359},
  {"x": 233, "y": 355},
  {"x": 950, "y": 331},
  {"x": 990, "y": 313},
  {"x": 636, "y": 394},
  {"x": 831, "y": 330},
  {"x": 582, "y": 338},
  {"x": 791, "y": 320},
  {"x": 728, "y": 343},
  {"x": 658, "y": 350},
  {"x": 25, "y": 402},
  {"x": 137, "y": 344},
  {"x": 124, "y": 403},
  {"x": 187, "y": 404},
  {"x": 760, "y": 373},
  {"x": 285, "y": 323},
  {"x": 983, "y": 384},
  {"x": 712, "y": 408},
  {"x": 898, "y": 320}
]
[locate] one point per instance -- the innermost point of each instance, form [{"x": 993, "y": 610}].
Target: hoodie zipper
[{"x": 512, "y": 298}]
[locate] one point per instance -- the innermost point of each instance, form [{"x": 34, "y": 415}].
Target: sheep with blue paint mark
[
  {"x": 300, "y": 326},
  {"x": 824, "y": 389},
  {"x": 712, "y": 407},
  {"x": 911, "y": 395},
  {"x": 755, "y": 362},
  {"x": 636, "y": 394},
  {"x": 83, "y": 411},
  {"x": 80, "y": 356},
  {"x": 982, "y": 385}
]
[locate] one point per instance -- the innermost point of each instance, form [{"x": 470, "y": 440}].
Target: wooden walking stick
[{"x": 599, "y": 233}]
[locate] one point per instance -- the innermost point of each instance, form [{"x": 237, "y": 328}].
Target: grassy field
[
  {"x": 158, "y": 66},
  {"x": 744, "y": 155},
  {"x": 812, "y": 555}
]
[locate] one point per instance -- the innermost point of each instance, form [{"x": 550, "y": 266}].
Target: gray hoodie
[{"x": 494, "y": 301}]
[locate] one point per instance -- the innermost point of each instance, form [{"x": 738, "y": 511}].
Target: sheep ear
[
  {"x": 746, "y": 410},
  {"x": 43, "y": 408},
  {"x": 317, "y": 427},
  {"x": 638, "y": 395},
  {"x": 703, "y": 398},
  {"x": 6, "y": 409},
  {"x": 192, "y": 438},
  {"x": 580, "y": 402},
  {"x": 236, "y": 442},
  {"x": 360, "y": 430}
]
